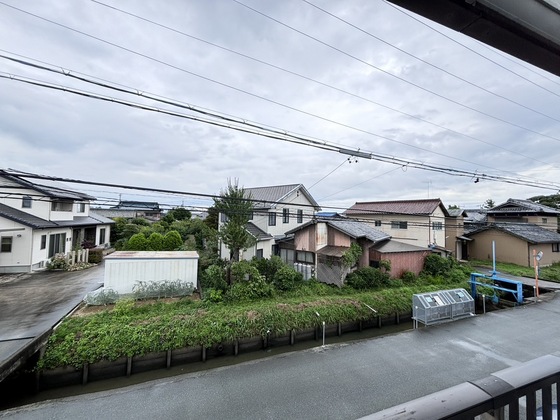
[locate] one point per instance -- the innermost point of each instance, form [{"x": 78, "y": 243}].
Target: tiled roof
[
  {"x": 137, "y": 205},
  {"x": 35, "y": 222},
  {"x": 412, "y": 207},
  {"x": 257, "y": 232},
  {"x": 276, "y": 194},
  {"x": 476, "y": 215},
  {"x": 24, "y": 218},
  {"x": 456, "y": 212},
  {"x": 522, "y": 206},
  {"x": 358, "y": 230},
  {"x": 49, "y": 191},
  {"x": 529, "y": 232}
]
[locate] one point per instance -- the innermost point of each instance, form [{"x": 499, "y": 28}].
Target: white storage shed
[{"x": 123, "y": 269}]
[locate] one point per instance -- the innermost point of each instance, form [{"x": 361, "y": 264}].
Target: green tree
[
  {"x": 172, "y": 241},
  {"x": 453, "y": 207},
  {"x": 137, "y": 242},
  {"x": 547, "y": 200},
  {"x": 235, "y": 204},
  {"x": 155, "y": 242},
  {"x": 489, "y": 204},
  {"x": 212, "y": 219}
]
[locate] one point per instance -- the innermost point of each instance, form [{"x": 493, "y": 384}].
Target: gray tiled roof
[
  {"x": 456, "y": 212},
  {"x": 35, "y": 222},
  {"x": 137, "y": 205},
  {"x": 356, "y": 229},
  {"x": 24, "y": 218},
  {"x": 522, "y": 206},
  {"x": 49, "y": 191},
  {"x": 529, "y": 232},
  {"x": 412, "y": 207},
  {"x": 257, "y": 232},
  {"x": 276, "y": 194}
]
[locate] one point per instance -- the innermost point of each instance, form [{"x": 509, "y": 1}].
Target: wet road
[
  {"x": 344, "y": 381},
  {"x": 32, "y": 303}
]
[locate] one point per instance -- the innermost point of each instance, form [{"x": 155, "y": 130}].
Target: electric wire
[{"x": 416, "y": 117}]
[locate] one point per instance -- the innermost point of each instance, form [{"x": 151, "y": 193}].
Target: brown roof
[{"x": 413, "y": 207}]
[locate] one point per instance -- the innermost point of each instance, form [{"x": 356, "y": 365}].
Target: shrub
[
  {"x": 214, "y": 277},
  {"x": 95, "y": 256},
  {"x": 244, "y": 271},
  {"x": 87, "y": 244},
  {"x": 408, "y": 277},
  {"x": 367, "y": 278},
  {"x": 286, "y": 278},
  {"x": 254, "y": 289},
  {"x": 214, "y": 295},
  {"x": 137, "y": 242},
  {"x": 155, "y": 242},
  {"x": 58, "y": 262},
  {"x": 435, "y": 265},
  {"x": 172, "y": 241},
  {"x": 268, "y": 267}
]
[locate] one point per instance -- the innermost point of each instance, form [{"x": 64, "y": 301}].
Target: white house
[
  {"x": 39, "y": 221},
  {"x": 277, "y": 210}
]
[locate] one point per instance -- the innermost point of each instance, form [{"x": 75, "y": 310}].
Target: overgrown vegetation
[{"x": 265, "y": 295}]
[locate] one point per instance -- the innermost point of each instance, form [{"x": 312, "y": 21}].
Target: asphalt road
[
  {"x": 345, "y": 381},
  {"x": 32, "y": 303}
]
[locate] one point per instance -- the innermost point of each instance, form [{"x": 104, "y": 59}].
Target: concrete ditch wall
[{"x": 126, "y": 366}]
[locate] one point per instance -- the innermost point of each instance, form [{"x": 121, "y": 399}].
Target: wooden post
[
  {"x": 236, "y": 347},
  {"x": 292, "y": 337},
  {"x": 379, "y": 322},
  {"x": 397, "y": 318},
  {"x": 128, "y": 365},
  {"x": 339, "y": 329},
  {"x": 203, "y": 356},
  {"x": 168, "y": 359}
]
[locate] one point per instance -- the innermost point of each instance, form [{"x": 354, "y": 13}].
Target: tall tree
[
  {"x": 236, "y": 206},
  {"x": 489, "y": 204}
]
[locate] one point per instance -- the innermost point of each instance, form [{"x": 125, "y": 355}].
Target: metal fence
[{"x": 528, "y": 391}]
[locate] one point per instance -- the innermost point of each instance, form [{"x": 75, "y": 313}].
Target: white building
[
  {"x": 39, "y": 221},
  {"x": 277, "y": 210}
]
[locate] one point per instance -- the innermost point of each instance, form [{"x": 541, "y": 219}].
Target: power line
[
  {"x": 248, "y": 57},
  {"x": 395, "y": 76}
]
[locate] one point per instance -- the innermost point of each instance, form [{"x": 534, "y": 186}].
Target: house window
[
  {"x": 101, "y": 236},
  {"x": 544, "y": 220},
  {"x": 251, "y": 216},
  {"x": 260, "y": 254},
  {"x": 285, "y": 215},
  {"x": 81, "y": 207},
  {"x": 43, "y": 241},
  {"x": 378, "y": 223},
  {"x": 57, "y": 243},
  {"x": 399, "y": 225},
  {"x": 272, "y": 219},
  {"x": 556, "y": 247},
  {"x": 26, "y": 202},
  {"x": 61, "y": 205},
  {"x": 300, "y": 216},
  {"x": 437, "y": 225},
  {"x": 305, "y": 257},
  {"x": 223, "y": 218},
  {"x": 6, "y": 243}
]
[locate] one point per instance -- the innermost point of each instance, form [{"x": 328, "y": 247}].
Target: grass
[
  {"x": 129, "y": 328},
  {"x": 550, "y": 273}
]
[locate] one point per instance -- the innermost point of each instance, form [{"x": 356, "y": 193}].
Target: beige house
[
  {"x": 518, "y": 228},
  {"x": 416, "y": 222},
  {"x": 515, "y": 243}
]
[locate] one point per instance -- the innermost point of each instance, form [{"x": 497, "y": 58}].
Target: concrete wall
[
  {"x": 508, "y": 248},
  {"x": 124, "y": 268}
]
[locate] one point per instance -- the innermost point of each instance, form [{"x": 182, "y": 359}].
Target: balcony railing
[{"x": 528, "y": 391}]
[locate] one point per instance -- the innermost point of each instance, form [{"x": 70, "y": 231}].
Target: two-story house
[
  {"x": 518, "y": 229},
  {"x": 416, "y": 222},
  {"x": 276, "y": 210},
  {"x": 39, "y": 221}
]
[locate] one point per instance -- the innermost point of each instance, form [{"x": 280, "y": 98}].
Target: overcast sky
[{"x": 364, "y": 75}]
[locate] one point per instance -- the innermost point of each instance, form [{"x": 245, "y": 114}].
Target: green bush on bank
[{"x": 132, "y": 329}]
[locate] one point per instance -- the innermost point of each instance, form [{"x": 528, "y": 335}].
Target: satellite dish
[{"x": 539, "y": 255}]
